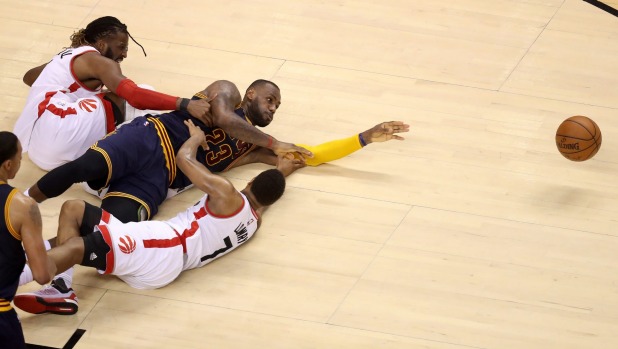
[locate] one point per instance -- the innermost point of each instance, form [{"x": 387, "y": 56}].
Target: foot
[{"x": 55, "y": 298}]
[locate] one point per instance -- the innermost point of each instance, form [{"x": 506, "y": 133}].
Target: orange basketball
[{"x": 578, "y": 138}]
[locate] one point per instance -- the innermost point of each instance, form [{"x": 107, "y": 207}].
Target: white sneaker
[{"x": 55, "y": 298}]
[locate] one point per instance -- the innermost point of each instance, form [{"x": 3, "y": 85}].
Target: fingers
[
  {"x": 304, "y": 152},
  {"x": 213, "y": 97}
]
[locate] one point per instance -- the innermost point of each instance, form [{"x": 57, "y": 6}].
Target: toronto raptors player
[
  {"x": 67, "y": 111},
  {"x": 151, "y": 254}
]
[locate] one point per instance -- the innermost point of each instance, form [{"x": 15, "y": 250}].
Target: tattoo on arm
[{"x": 35, "y": 215}]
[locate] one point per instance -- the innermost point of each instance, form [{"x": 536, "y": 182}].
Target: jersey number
[{"x": 228, "y": 245}]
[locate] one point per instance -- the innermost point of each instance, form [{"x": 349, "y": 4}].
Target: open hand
[{"x": 386, "y": 131}]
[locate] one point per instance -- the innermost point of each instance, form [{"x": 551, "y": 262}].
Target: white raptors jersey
[
  {"x": 62, "y": 117},
  {"x": 209, "y": 236},
  {"x": 151, "y": 254}
]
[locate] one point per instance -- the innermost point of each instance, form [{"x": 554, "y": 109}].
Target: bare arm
[
  {"x": 33, "y": 74},
  {"x": 223, "y": 198},
  {"x": 259, "y": 155},
  {"x": 26, "y": 219}
]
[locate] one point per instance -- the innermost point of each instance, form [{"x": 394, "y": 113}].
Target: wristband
[
  {"x": 270, "y": 142},
  {"x": 184, "y": 103},
  {"x": 362, "y": 140}
]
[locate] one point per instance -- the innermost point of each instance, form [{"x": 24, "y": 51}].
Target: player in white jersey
[
  {"x": 66, "y": 110},
  {"x": 152, "y": 254}
]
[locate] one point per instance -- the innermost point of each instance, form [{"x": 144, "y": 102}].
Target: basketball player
[
  {"x": 152, "y": 254},
  {"x": 20, "y": 229},
  {"x": 137, "y": 162},
  {"x": 66, "y": 110}
]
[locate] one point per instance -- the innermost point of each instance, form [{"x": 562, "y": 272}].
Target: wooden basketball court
[{"x": 474, "y": 232}]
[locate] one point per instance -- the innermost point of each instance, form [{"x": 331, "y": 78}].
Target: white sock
[{"x": 26, "y": 274}]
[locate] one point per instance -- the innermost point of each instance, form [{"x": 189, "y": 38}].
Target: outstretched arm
[
  {"x": 92, "y": 65},
  {"x": 223, "y": 198},
  {"x": 333, "y": 150}
]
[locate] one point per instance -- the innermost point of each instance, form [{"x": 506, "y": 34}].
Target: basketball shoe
[{"x": 55, "y": 298}]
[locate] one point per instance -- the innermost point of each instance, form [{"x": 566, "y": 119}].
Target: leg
[
  {"x": 77, "y": 218},
  {"x": 91, "y": 166},
  {"x": 125, "y": 209}
]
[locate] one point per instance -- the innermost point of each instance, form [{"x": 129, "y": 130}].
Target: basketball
[{"x": 578, "y": 138}]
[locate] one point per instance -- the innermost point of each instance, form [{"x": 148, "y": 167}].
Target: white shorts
[
  {"x": 145, "y": 255},
  {"x": 65, "y": 130}
]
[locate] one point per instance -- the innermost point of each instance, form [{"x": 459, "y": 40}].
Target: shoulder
[
  {"x": 223, "y": 89},
  {"x": 22, "y": 202}
]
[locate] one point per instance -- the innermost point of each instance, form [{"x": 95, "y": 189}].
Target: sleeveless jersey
[
  {"x": 62, "y": 117},
  {"x": 12, "y": 257},
  {"x": 208, "y": 236},
  {"x": 151, "y": 254}
]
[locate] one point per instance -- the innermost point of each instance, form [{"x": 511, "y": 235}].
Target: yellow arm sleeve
[{"x": 332, "y": 150}]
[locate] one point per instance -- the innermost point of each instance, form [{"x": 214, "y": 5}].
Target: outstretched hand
[
  {"x": 288, "y": 163},
  {"x": 386, "y": 131}
]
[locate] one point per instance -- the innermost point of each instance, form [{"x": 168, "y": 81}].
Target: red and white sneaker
[{"x": 55, "y": 298}]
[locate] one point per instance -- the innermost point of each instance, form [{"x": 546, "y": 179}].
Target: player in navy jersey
[
  {"x": 137, "y": 161},
  {"x": 20, "y": 229}
]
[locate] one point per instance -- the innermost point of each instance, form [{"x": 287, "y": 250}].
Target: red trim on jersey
[
  {"x": 109, "y": 257},
  {"x": 105, "y": 217},
  {"x": 75, "y": 77},
  {"x": 226, "y": 216},
  {"x": 180, "y": 239},
  {"x": 110, "y": 122}
]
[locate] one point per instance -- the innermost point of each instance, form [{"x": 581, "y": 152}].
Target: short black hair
[
  {"x": 260, "y": 82},
  {"x": 8, "y": 145},
  {"x": 268, "y": 186}
]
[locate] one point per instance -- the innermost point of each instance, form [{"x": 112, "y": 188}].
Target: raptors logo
[
  {"x": 127, "y": 244},
  {"x": 88, "y": 105}
]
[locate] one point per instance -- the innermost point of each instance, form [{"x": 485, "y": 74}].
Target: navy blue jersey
[
  {"x": 223, "y": 150},
  {"x": 12, "y": 257},
  {"x": 141, "y": 156}
]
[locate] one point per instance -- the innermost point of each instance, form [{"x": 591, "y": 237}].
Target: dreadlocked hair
[
  {"x": 100, "y": 28},
  {"x": 268, "y": 186}
]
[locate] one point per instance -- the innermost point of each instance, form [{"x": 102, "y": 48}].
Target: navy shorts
[{"x": 137, "y": 164}]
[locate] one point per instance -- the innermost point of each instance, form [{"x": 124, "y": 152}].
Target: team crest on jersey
[
  {"x": 88, "y": 105},
  {"x": 127, "y": 244}
]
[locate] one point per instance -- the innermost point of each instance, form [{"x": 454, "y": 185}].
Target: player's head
[
  {"x": 10, "y": 154},
  {"x": 267, "y": 187},
  {"x": 262, "y": 99},
  {"x": 108, "y": 35}
]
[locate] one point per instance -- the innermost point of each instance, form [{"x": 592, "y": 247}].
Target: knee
[{"x": 73, "y": 209}]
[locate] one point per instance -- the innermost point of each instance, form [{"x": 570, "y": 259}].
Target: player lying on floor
[{"x": 90, "y": 236}]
